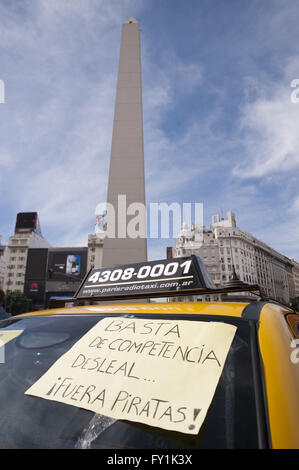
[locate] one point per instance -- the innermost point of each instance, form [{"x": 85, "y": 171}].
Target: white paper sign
[
  {"x": 8, "y": 335},
  {"x": 159, "y": 372}
]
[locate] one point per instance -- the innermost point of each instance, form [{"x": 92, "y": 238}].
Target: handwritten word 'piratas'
[{"x": 122, "y": 401}]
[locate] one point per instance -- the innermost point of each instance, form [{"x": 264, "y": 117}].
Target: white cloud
[
  {"x": 56, "y": 125},
  {"x": 6, "y": 160},
  {"x": 269, "y": 126},
  {"x": 60, "y": 60},
  {"x": 59, "y": 115},
  {"x": 295, "y": 205}
]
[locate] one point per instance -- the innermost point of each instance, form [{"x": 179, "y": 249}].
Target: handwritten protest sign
[{"x": 159, "y": 372}]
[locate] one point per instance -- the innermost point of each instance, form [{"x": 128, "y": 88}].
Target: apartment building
[
  {"x": 95, "y": 251},
  {"x": 225, "y": 246},
  {"x": 16, "y": 259},
  {"x": 27, "y": 235},
  {"x": 2, "y": 262}
]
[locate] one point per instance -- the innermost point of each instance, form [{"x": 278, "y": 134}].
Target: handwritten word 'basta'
[{"x": 144, "y": 329}]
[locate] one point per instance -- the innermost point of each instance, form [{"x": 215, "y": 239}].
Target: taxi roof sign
[{"x": 162, "y": 278}]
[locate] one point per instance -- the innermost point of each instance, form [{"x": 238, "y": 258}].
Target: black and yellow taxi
[{"x": 253, "y": 402}]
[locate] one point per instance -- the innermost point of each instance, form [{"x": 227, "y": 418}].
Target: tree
[{"x": 17, "y": 303}]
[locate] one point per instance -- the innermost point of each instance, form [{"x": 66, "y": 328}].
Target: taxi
[{"x": 121, "y": 373}]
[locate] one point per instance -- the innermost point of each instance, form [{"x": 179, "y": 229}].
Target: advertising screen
[
  {"x": 66, "y": 263},
  {"x": 26, "y": 222}
]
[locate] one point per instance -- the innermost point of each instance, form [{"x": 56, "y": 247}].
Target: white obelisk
[{"x": 126, "y": 184}]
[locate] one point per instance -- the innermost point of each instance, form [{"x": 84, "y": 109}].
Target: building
[
  {"x": 66, "y": 268},
  {"x": 27, "y": 236},
  {"x": 95, "y": 251},
  {"x": 33, "y": 267},
  {"x": 126, "y": 174},
  {"x": 226, "y": 246},
  {"x": 35, "y": 276},
  {"x": 197, "y": 240},
  {"x": 3, "y": 252},
  {"x": 53, "y": 273},
  {"x": 295, "y": 278}
]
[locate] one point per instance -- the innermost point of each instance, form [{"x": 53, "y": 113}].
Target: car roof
[{"x": 234, "y": 309}]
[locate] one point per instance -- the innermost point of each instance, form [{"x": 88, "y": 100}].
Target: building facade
[
  {"x": 295, "y": 278},
  {"x": 3, "y": 252},
  {"x": 95, "y": 251},
  {"x": 16, "y": 258},
  {"x": 31, "y": 266},
  {"x": 66, "y": 269},
  {"x": 53, "y": 273},
  {"x": 226, "y": 246}
]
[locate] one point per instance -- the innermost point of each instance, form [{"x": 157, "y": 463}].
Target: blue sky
[{"x": 219, "y": 124}]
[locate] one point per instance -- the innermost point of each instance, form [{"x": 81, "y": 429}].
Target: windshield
[{"x": 32, "y": 345}]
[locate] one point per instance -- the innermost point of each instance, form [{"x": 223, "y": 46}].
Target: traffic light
[{"x": 50, "y": 271}]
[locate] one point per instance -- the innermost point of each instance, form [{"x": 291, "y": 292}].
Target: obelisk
[{"x": 126, "y": 183}]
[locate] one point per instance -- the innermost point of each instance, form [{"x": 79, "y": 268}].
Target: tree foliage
[{"x": 17, "y": 303}]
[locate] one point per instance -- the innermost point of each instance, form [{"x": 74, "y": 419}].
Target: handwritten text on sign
[{"x": 159, "y": 372}]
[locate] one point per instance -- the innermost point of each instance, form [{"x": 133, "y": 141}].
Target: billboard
[
  {"x": 67, "y": 264},
  {"x": 26, "y": 222}
]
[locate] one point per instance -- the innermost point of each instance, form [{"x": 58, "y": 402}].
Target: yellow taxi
[{"x": 118, "y": 373}]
